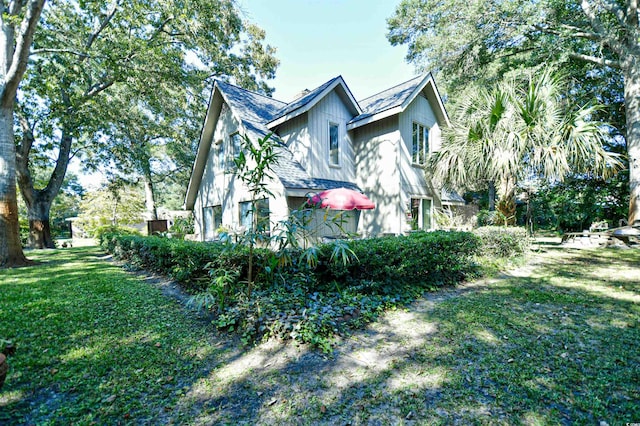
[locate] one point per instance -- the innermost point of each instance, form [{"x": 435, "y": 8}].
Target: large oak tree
[
  {"x": 18, "y": 23},
  {"x": 484, "y": 39},
  {"x": 94, "y": 62}
]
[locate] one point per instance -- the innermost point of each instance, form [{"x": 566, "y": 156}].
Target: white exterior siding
[
  {"x": 220, "y": 188},
  {"x": 330, "y": 109},
  {"x": 377, "y": 155}
]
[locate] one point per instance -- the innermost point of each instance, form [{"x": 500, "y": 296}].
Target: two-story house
[{"x": 326, "y": 139}]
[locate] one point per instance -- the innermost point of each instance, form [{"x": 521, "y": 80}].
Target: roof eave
[
  {"x": 204, "y": 145},
  {"x": 375, "y": 117},
  {"x": 309, "y": 105}
]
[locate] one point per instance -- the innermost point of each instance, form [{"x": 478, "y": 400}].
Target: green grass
[
  {"x": 560, "y": 345},
  {"x": 94, "y": 343}
]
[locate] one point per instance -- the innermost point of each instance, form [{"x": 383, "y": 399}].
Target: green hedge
[
  {"x": 188, "y": 262},
  {"x": 421, "y": 259},
  {"x": 309, "y": 300},
  {"x": 503, "y": 242}
]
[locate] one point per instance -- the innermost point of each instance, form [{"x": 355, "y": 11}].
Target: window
[
  {"x": 421, "y": 213},
  {"x": 420, "y": 147},
  {"x": 212, "y": 220},
  {"x": 334, "y": 144},
  {"x": 220, "y": 159},
  {"x": 235, "y": 149},
  {"x": 256, "y": 216}
]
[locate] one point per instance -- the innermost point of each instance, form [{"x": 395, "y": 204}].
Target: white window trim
[
  {"x": 339, "y": 163},
  {"x": 421, "y": 213},
  {"x": 428, "y": 141}
]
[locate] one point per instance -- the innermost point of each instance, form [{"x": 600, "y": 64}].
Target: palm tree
[{"x": 514, "y": 131}]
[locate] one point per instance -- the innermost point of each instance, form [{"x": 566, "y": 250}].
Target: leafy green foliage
[
  {"x": 503, "y": 242},
  {"x": 316, "y": 293},
  {"x": 123, "y": 88},
  {"x": 420, "y": 260},
  {"x": 115, "y": 204},
  {"x": 520, "y": 130},
  {"x": 578, "y": 202}
]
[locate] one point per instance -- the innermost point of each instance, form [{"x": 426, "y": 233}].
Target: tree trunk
[
  {"x": 632, "y": 111},
  {"x": 492, "y": 196},
  {"x": 39, "y": 225},
  {"x": 11, "y": 254},
  {"x": 39, "y": 201},
  {"x": 507, "y": 203},
  {"x": 150, "y": 199}
]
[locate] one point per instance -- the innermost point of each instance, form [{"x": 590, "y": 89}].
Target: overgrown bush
[
  {"x": 504, "y": 242},
  {"x": 103, "y": 232}
]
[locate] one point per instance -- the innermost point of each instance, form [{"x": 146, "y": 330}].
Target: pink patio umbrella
[{"x": 342, "y": 199}]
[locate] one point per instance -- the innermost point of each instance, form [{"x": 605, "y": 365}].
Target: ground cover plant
[
  {"x": 310, "y": 295},
  {"x": 555, "y": 342}
]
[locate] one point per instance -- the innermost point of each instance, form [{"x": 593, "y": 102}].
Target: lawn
[{"x": 556, "y": 342}]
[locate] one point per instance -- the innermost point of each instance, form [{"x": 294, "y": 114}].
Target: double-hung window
[
  {"x": 334, "y": 144},
  {"x": 255, "y": 217},
  {"x": 420, "y": 144}
]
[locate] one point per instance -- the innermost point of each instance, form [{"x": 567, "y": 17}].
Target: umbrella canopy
[{"x": 342, "y": 199}]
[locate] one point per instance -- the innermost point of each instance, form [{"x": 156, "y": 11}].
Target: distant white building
[{"x": 327, "y": 140}]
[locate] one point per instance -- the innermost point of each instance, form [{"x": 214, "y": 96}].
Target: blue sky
[{"x": 317, "y": 40}]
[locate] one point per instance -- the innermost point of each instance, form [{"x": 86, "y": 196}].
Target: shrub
[
  {"x": 188, "y": 262},
  {"x": 421, "y": 259},
  {"x": 102, "y": 232},
  {"x": 307, "y": 295},
  {"x": 500, "y": 241}
]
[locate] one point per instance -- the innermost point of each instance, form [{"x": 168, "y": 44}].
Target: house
[{"x": 326, "y": 139}]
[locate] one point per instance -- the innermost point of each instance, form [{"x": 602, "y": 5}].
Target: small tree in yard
[{"x": 254, "y": 168}]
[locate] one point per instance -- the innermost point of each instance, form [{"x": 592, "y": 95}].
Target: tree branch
[
  {"x": 596, "y": 60},
  {"x": 610, "y": 40},
  {"x": 21, "y": 53},
  {"x": 72, "y": 52},
  {"x": 632, "y": 14},
  {"x": 97, "y": 88},
  {"x": 110, "y": 14},
  {"x": 616, "y": 11}
]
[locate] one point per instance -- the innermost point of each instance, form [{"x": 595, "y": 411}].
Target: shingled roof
[
  {"x": 387, "y": 99},
  {"x": 254, "y": 111},
  {"x": 259, "y": 115}
]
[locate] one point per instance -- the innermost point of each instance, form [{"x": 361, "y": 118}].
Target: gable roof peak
[
  {"x": 305, "y": 103},
  {"x": 411, "y": 83}
]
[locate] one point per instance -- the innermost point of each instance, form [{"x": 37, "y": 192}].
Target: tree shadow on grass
[
  {"x": 107, "y": 348},
  {"x": 522, "y": 350}
]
